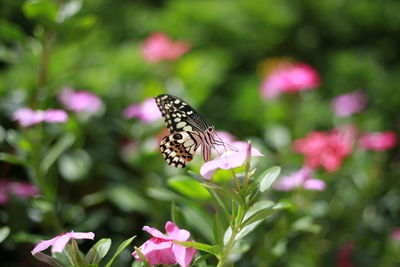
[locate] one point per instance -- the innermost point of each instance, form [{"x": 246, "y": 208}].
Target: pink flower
[
  {"x": 59, "y": 242},
  {"x": 326, "y": 149},
  {"x": 228, "y": 160},
  {"x": 27, "y": 116},
  {"x": 301, "y": 178},
  {"x": 378, "y": 141},
  {"x": 396, "y": 234},
  {"x": 161, "y": 249},
  {"x": 159, "y": 47},
  {"x": 343, "y": 256},
  {"x": 80, "y": 101},
  {"x": 147, "y": 111},
  {"x": 55, "y": 115},
  {"x": 347, "y": 104},
  {"x": 289, "y": 77}
]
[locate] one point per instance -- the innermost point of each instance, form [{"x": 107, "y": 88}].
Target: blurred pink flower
[
  {"x": 27, "y": 116},
  {"x": 301, "y": 178},
  {"x": 289, "y": 77},
  {"x": 378, "y": 141},
  {"x": 347, "y": 104},
  {"x": 343, "y": 256},
  {"x": 55, "y": 115},
  {"x": 326, "y": 149},
  {"x": 396, "y": 234},
  {"x": 229, "y": 159},
  {"x": 147, "y": 111},
  {"x": 80, "y": 101},
  {"x": 160, "y": 47},
  {"x": 160, "y": 249},
  {"x": 59, "y": 242}
]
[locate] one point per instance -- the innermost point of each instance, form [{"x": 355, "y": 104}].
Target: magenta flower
[
  {"x": 228, "y": 160},
  {"x": 27, "y": 116},
  {"x": 347, "y": 104},
  {"x": 326, "y": 149},
  {"x": 55, "y": 115},
  {"x": 59, "y": 242},
  {"x": 147, "y": 111},
  {"x": 343, "y": 256},
  {"x": 80, "y": 101},
  {"x": 378, "y": 141},
  {"x": 396, "y": 234},
  {"x": 159, "y": 47},
  {"x": 289, "y": 77},
  {"x": 161, "y": 249},
  {"x": 301, "y": 178},
  {"x": 20, "y": 189}
]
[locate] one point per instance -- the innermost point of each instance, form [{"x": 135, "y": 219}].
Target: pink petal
[
  {"x": 208, "y": 169},
  {"x": 176, "y": 233},
  {"x": 42, "y": 245},
  {"x": 396, "y": 234},
  {"x": 183, "y": 255},
  {"x": 81, "y": 235},
  {"x": 60, "y": 242},
  {"x": 27, "y": 116},
  {"x": 156, "y": 251},
  {"x": 154, "y": 232},
  {"x": 347, "y": 104},
  {"x": 55, "y": 115},
  {"x": 314, "y": 184}
]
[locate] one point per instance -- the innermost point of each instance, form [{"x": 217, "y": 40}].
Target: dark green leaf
[
  {"x": 47, "y": 259},
  {"x": 62, "y": 144},
  {"x": 4, "y": 232},
  {"x": 98, "y": 251},
  {"x": 219, "y": 228},
  {"x": 120, "y": 249},
  {"x": 267, "y": 178},
  {"x": 189, "y": 187},
  {"x": 10, "y": 158}
]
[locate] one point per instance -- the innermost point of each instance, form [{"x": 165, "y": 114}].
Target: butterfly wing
[
  {"x": 178, "y": 148},
  {"x": 179, "y": 115}
]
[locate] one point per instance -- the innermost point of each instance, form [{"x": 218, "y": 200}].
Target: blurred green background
[{"x": 99, "y": 184}]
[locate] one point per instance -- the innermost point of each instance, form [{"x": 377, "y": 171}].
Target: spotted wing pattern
[
  {"x": 178, "y": 148},
  {"x": 179, "y": 115}
]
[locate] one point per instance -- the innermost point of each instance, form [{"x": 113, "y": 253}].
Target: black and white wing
[{"x": 179, "y": 115}]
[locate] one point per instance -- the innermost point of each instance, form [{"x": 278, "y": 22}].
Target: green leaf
[
  {"x": 4, "y": 232},
  {"x": 127, "y": 199},
  {"x": 120, "y": 249},
  {"x": 200, "y": 246},
  {"x": 189, "y": 187},
  {"x": 176, "y": 214},
  {"x": 259, "y": 211},
  {"x": 219, "y": 228},
  {"x": 52, "y": 155},
  {"x": 41, "y": 10},
  {"x": 163, "y": 194},
  {"x": 226, "y": 192},
  {"x": 12, "y": 159},
  {"x": 98, "y": 251},
  {"x": 75, "y": 165},
  {"x": 306, "y": 224},
  {"x": 47, "y": 259},
  {"x": 267, "y": 178}
]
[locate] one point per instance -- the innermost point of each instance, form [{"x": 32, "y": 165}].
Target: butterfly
[{"x": 188, "y": 131}]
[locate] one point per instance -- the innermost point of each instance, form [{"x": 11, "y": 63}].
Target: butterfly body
[{"x": 188, "y": 131}]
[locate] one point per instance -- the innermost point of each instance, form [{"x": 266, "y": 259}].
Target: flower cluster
[
  {"x": 19, "y": 189},
  {"x": 147, "y": 111},
  {"x": 161, "y": 249},
  {"x": 159, "y": 47},
  {"x": 27, "y": 117},
  {"x": 289, "y": 77},
  {"x": 301, "y": 178},
  {"x": 326, "y": 149},
  {"x": 80, "y": 101}
]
